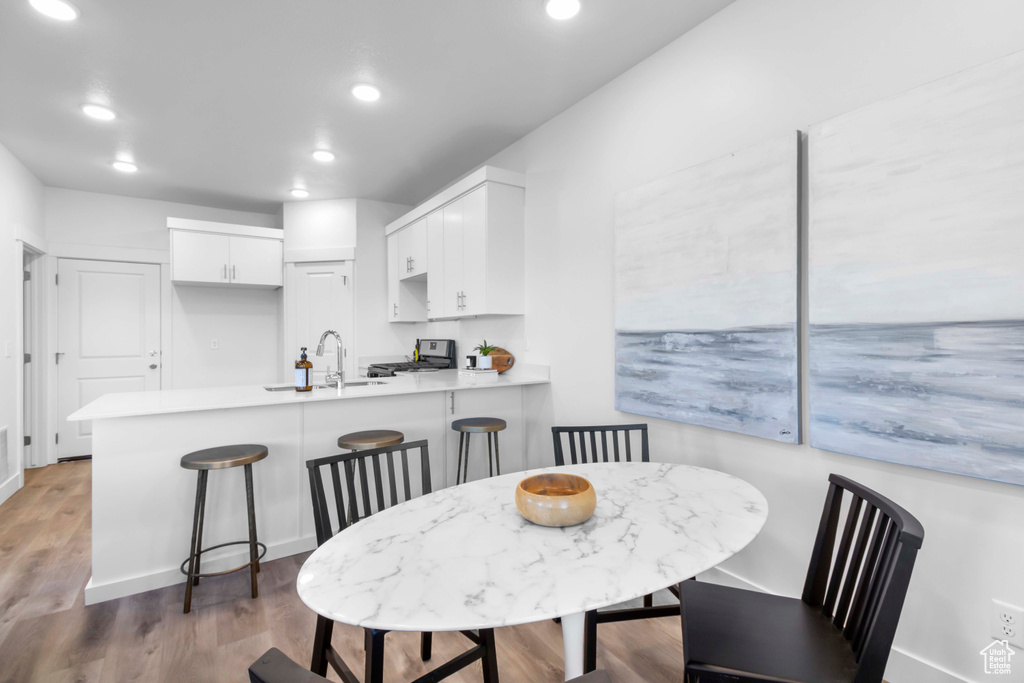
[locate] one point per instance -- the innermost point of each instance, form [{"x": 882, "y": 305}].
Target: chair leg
[
  {"x": 202, "y": 518},
  {"x": 497, "y": 457},
  {"x": 465, "y": 472},
  {"x": 458, "y": 468},
  {"x": 590, "y": 641},
  {"x": 321, "y": 641},
  {"x": 253, "y": 552},
  {"x": 374, "y": 656},
  {"x": 490, "y": 658},
  {"x": 649, "y": 600},
  {"x": 490, "y": 456},
  {"x": 426, "y": 640},
  {"x": 192, "y": 568}
]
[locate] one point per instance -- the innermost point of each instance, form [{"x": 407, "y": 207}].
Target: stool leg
[
  {"x": 490, "y": 457},
  {"x": 497, "y": 457},
  {"x": 465, "y": 472},
  {"x": 321, "y": 643},
  {"x": 458, "y": 468},
  {"x": 253, "y": 553},
  {"x": 200, "y": 491},
  {"x": 202, "y": 518}
]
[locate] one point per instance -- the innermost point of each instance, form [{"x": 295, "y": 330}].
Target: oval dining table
[{"x": 463, "y": 558}]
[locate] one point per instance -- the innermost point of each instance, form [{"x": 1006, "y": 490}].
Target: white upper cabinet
[
  {"x": 199, "y": 257},
  {"x": 217, "y": 253},
  {"x": 406, "y": 297},
  {"x": 473, "y": 242},
  {"x": 412, "y": 250}
]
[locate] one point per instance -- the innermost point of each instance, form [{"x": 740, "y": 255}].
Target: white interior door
[
  {"x": 322, "y": 300},
  {"x": 108, "y": 339}
]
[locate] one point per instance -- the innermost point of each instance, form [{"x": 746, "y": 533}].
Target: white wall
[
  {"x": 21, "y": 217},
  {"x": 755, "y": 70},
  {"x": 374, "y": 335},
  {"x": 245, "y": 322}
]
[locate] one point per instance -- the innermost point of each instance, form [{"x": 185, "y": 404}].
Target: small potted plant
[{"x": 484, "y": 361}]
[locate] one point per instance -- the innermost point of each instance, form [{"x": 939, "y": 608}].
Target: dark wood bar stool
[
  {"x": 370, "y": 438},
  {"x": 476, "y": 425},
  {"x": 220, "y": 458}
]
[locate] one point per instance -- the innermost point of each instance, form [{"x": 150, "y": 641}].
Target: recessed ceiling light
[
  {"x": 97, "y": 111},
  {"x": 300, "y": 193},
  {"x": 366, "y": 92},
  {"x": 562, "y": 9},
  {"x": 323, "y": 155},
  {"x": 55, "y": 9},
  {"x": 125, "y": 166}
]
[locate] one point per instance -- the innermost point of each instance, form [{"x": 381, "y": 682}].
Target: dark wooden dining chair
[
  {"x": 840, "y": 629},
  {"x": 608, "y": 443},
  {"x": 357, "y": 484},
  {"x": 274, "y": 666},
  {"x": 584, "y": 441}
]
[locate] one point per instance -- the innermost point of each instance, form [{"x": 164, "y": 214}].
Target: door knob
[{"x": 152, "y": 366}]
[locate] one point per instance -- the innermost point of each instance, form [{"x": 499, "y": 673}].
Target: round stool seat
[
  {"x": 223, "y": 457},
  {"x": 479, "y": 424},
  {"x": 370, "y": 438}
]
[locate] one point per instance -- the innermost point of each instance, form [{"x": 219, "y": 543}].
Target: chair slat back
[
  {"x": 861, "y": 583},
  {"x": 583, "y": 443},
  {"x": 351, "y": 475}
]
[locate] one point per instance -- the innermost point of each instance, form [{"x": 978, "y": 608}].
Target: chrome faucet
[{"x": 339, "y": 376}]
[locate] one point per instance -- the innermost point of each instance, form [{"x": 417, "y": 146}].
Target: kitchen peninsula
[{"x": 142, "y": 500}]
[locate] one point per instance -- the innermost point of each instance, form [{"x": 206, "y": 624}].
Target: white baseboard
[
  {"x": 8, "y": 488},
  {"x": 111, "y": 590},
  {"x": 902, "y": 666}
]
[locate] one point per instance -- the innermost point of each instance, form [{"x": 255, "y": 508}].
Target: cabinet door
[
  {"x": 199, "y": 257},
  {"x": 474, "y": 252},
  {"x": 256, "y": 261},
  {"x": 393, "y": 277},
  {"x": 412, "y": 250},
  {"x": 435, "y": 264},
  {"x": 451, "y": 297}
]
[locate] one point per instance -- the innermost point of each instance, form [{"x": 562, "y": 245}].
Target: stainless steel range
[{"x": 433, "y": 355}]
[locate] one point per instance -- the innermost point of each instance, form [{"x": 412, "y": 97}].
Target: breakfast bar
[{"x": 142, "y": 512}]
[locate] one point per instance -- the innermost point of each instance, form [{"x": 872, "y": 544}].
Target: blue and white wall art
[
  {"x": 917, "y": 277},
  {"x": 706, "y": 294}
]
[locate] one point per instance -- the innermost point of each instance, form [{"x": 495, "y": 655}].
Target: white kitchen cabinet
[
  {"x": 412, "y": 251},
  {"x": 256, "y": 261},
  {"x": 407, "y": 299},
  {"x": 201, "y": 257},
  {"x": 474, "y": 247},
  {"x": 435, "y": 255}
]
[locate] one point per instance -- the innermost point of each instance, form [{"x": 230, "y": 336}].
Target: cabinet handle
[
  {"x": 396, "y": 310},
  {"x": 233, "y": 276},
  {"x": 411, "y": 262},
  {"x": 225, "y": 271}
]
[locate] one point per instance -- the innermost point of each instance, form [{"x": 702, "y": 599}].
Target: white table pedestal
[{"x": 572, "y": 644}]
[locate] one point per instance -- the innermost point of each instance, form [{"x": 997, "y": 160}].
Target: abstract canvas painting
[
  {"x": 916, "y": 257},
  {"x": 706, "y": 294}
]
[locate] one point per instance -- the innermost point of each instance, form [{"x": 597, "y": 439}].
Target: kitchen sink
[{"x": 289, "y": 387}]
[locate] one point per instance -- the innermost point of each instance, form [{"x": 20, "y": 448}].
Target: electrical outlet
[
  {"x": 214, "y": 344},
  {"x": 1008, "y": 623}
]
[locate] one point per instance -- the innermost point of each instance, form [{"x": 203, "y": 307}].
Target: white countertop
[{"x": 189, "y": 400}]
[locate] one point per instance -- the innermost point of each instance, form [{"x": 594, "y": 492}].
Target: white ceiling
[{"x": 221, "y": 102}]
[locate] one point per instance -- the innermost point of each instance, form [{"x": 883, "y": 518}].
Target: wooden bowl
[{"x": 556, "y": 499}]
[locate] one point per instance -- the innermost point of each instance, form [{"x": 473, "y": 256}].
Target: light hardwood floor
[{"x": 48, "y": 634}]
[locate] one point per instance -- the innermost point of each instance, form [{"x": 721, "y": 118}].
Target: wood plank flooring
[{"x": 48, "y": 634}]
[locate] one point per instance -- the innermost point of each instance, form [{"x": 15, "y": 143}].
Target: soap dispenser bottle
[{"x": 302, "y": 371}]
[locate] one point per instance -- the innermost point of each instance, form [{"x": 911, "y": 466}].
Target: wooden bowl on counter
[{"x": 556, "y": 499}]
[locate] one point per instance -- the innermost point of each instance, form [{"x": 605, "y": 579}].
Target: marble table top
[{"x": 463, "y": 558}]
